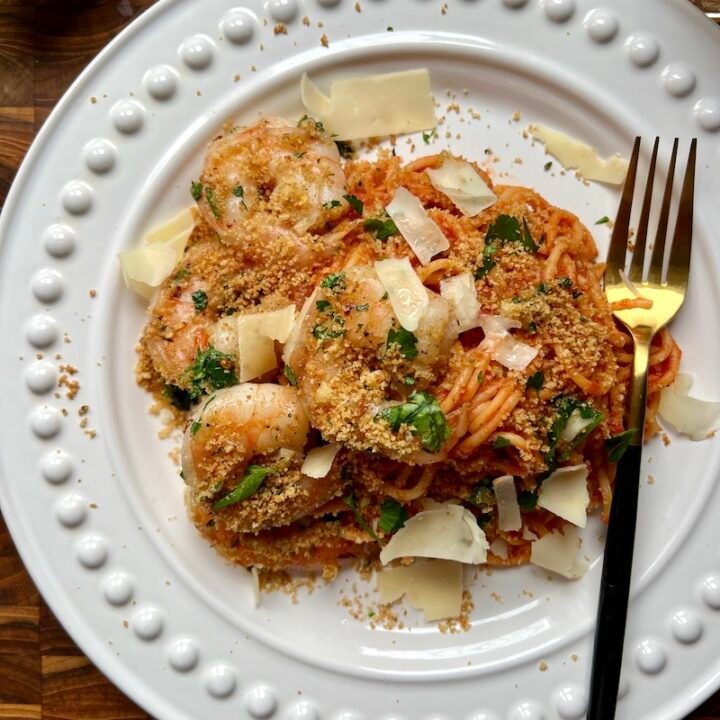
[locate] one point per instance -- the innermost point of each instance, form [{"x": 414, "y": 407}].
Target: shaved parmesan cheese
[
  {"x": 433, "y": 586},
  {"x": 564, "y": 493},
  {"x": 420, "y": 232},
  {"x": 558, "y": 552},
  {"x": 255, "y": 577},
  {"x": 528, "y": 534},
  {"x": 449, "y": 532},
  {"x": 460, "y": 292},
  {"x": 576, "y": 423},
  {"x": 573, "y": 154},
  {"x": 688, "y": 415},
  {"x": 503, "y": 348},
  {"x": 460, "y": 181},
  {"x": 146, "y": 267},
  {"x": 372, "y": 106},
  {"x": 499, "y": 548},
  {"x": 319, "y": 460},
  {"x": 256, "y": 333},
  {"x": 507, "y": 504},
  {"x": 407, "y": 294},
  {"x": 224, "y": 335},
  {"x": 292, "y": 340}
]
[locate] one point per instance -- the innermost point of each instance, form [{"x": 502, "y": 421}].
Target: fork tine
[
  {"x": 618, "y": 241},
  {"x": 679, "y": 264},
  {"x": 637, "y": 262},
  {"x": 658, "y": 254}
]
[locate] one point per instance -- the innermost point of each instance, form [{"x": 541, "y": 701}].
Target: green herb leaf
[
  {"x": 210, "y": 198},
  {"x": 306, "y": 118},
  {"x": 355, "y": 203},
  {"x": 392, "y": 516},
  {"x": 408, "y": 380},
  {"x": 500, "y": 442},
  {"x": 604, "y": 219},
  {"x": 542, "y": 288},
  {"x": 505, "y": 228},
  {"x": 345, "y": 149},
  {"x": 196, "y": 425},
  {"x": 211, "y": 370},
  {"x": 423, "y": 414},
  {"x": 547, "y": 165},
  {"x": 349, "y": 500},
  {"x": 334, "y": 282},
  {"x": 535, "y": 382},
  {"x": 239, "y": 192},
  {"x": 248, "y": 486},
  {"x": 532, "y": 327},
  {"x": 182, "y": 274},
  {"x": 527, "y": 499},
  {"x": 616, "y": 445},
  {"x": 488, "y": 263},
  {"x": 330, "y": 204},
  {"x": 322, "y": 305},
  {"x": 178, "y": 397},
  {"x": 427, "y": 137},
  {"x": 290, "y": 375},
  {"x": 565, "y": 405},
  {"x": 383, "y": 229},
  {"x": 363, "y": 307},
  {"x": 482, "y": 495},
  {"x": 196, "y": 189},
  {"x": 565, "y": 282},
  {"x": 200, "y": 300},
  {"x": 527, "y": 240},
  {"x": 405, "y": 340},
  {"x": 323, "y": 332}
]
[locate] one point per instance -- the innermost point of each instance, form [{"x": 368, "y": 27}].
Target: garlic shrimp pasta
[{"x": 346, "y": 344}]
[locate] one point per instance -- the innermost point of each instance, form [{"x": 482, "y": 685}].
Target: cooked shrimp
[
  {"x": 274, "y": 182},
  {"x": 260, "y": 424},
  {"x": 352, "y": 359}
]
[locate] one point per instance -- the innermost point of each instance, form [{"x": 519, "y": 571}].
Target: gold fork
[{"x": 661, "y": 299}]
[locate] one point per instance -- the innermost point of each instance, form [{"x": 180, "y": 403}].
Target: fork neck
[{"x": 635, "y": 409}]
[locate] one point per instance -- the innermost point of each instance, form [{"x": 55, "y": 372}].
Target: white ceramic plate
[{"x": 100, "y": 521}]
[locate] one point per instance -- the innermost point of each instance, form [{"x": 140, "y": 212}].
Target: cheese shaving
[
  {"x": 417, "y": 228},
  {"x": 256, "y": 334},
  {"x": 503, "y": 347},
  {"x": 318, "y": 462},
  {"x": 558, "y": 551},
  {"x": 449, "y": 532},
  {"x": 573, "y": 154},
  {"x": 464, "y": 186},
  {"x": 407, "y": 294},
  {"x": 499, "y": 548},
  {"x": 509, "y": 518},
  {"x": 576, "y": 423},
  {"x": 372, "y": 106},
  {"x": 460, "y": 292},
  {"x": 688, "y": 415},
  {"x": 433, "y": 586},
  {"x": 564, "y": 493},
  {"x": 147, "y": 266}
]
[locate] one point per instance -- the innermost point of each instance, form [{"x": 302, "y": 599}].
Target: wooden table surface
[{"x": 43, "y": 46}]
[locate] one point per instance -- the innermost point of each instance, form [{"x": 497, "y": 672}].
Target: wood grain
[{"x": 43, "y": 46}]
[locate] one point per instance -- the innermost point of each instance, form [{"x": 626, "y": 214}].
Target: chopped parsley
[
  {"x": 290, "y": 375},
  {"x": 330, "y": 204},
  {"x": 482, "y": 494},
  {"x": 488, "y": 263},
  {"x": 196, "y": 425},
  {"x": 427, "y": 137},
  {"x": 616, "y": 445},
  {"x": 547, "y": 165},
  {"x": 405, "y": 340},
  {"x": 505, "y": 229},
  {"x": 362, "y": 308},
  {"x": 298, "y": 155},
  {"x": 350, "y": 501},
  {"x": 328, "y": 331},
  {"x": 383, "y": 229},
  {"x": 355, "y": 203},
  {"x": 239, "y": 192},
  {"x": 345, "y": 149},
  {"x": 210, "y": 198},
  {"x": 182, "y": 274},
  {"x": 211, "y": 370},
  {"x": 178, "y": 397},
  {"x": 322, "y": 305},
  {"x": 196, "y": 189},
  {"x": 565, "y": 405},
  {"x": 323, "y": 332},
  {"x": 565, "y": 282},
  {"x": 408, "y": 380},
  {"x": 532, "y": 327},
  {"x": 248, "y": 486},
  {"x": 542, "y": 288},
  {"x": 527, "y": 499},
  {"x": 200, "y": 300},
  {"x": 306, "y": 118},
  {"x": 604, "y": 219},
  {"x": 527, "y": 240},
  {"x": 500, "y": 442},
  {"x": 333, "y": 282},
  {"x": 392, "y": 516},
  {"x": 423, "y": 414},
  {"x": 535, "y": 382}
]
